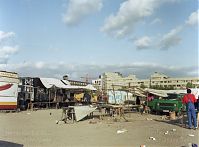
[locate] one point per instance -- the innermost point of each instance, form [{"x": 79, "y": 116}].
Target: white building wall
[{"x": 113, "y": 80}]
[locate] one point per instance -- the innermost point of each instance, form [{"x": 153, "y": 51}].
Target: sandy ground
[{"x": 39, "y": 129}]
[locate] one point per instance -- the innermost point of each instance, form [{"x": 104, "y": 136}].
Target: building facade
[
  {"x": 114, "y": 81},
  {"x": 97, "y": 84}
]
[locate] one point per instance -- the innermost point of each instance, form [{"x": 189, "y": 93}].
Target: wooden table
[
  {"x": 68, "y": 114},
  {"x": 76, "y": 113},
  {"x": 117, "y": 110}
]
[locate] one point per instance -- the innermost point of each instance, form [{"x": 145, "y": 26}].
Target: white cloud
[
  {"x": 194, "y": 72},
  {"x": 141, "y": 69},
  {"x": 6, "y": 52},
  {"x": 171, "y": 39},
  {"x": 193, "y": 18},
  {"x": 40, "y": 65},
  {"x": 156, "y": 21},
  {"x": 6, "y": 35},
  {"x": 129, "y": 14},
  {"x": 143, "y": 43},
  {"x": 78, "y": 9}
]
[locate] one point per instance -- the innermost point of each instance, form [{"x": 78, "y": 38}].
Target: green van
[{"x": 171, "y": 103}]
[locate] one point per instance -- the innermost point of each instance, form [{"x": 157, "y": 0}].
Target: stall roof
[
  {"x": 50, "y": 82},
  {"x": 90, "y": 87},
  {"x": 161, "y": 93},
  {"x": 66, "y": 82}
]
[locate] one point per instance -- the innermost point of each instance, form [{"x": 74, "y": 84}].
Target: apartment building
[{"x": 115, "y": 80}]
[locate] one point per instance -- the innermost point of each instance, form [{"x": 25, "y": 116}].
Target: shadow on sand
[
  {"x": 9, "y": 144},
  {"x": 178, "y": 122}
]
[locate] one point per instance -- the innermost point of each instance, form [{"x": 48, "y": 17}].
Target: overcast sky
[{"x": 51, "y": 38}]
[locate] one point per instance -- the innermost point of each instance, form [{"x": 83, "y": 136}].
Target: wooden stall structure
[{"x": 48, "y": 93}]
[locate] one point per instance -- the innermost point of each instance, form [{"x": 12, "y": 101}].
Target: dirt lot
[{"x": 39, "y": 129}]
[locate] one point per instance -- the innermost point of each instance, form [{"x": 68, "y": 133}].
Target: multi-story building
[
  {"x": 97, "y": 84},
  {"x": 115, "y": 81}
]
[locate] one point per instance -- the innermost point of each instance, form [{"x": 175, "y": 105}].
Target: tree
[
  {"x": 142, "y": 86},
  {"x": 189, "y": 85}
]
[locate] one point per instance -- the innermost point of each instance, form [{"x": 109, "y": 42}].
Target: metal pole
[{"x": 49, "y": 98}]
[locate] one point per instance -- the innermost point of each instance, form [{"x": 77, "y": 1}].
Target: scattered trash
[
  {"x": 60, "y": 122},
  {"x": 121, "y": 131},
  {"x": 164, "y": 117},
  {"x": 142, "y": 145},
  {"x": 173, "y": 130},
  {"x": 191, "y": 135},
  {"x": 50, "y": 113},
  {"x": 167, "y": 132},
  {"x": 28, "y": 113},
  {"x": 153, "y": 138},
  {"x": 149, "y": 119}
]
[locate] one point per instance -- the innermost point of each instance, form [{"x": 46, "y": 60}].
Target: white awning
[
  {"x": 50, "y": 82},
  {"x": 90, "y": 87},
  {"x": 160, "y": 93},
  {"x": 66, "y": 82}
]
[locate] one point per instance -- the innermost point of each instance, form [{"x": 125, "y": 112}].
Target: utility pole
[{"x": 149, "y": 82}]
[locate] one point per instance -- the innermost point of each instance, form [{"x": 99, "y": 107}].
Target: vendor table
[
  {"x": 115, "y": 111},
  {"x": 76, "y": 113}
]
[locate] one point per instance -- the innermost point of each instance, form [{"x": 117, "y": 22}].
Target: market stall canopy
[
  {"x": 177, "y": 91},
  {"x": 64, "y": 84},
  {"x": 160, "y": 93},
  {"x": 194, "y": 91},
  {"x": 90, "y": 87},
  {"x": 50, "y": 82},
  {"x": 138, "y": 93}
]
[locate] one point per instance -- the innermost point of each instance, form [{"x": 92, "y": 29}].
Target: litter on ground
[
  {"x": 152, "y": 138},
  {"x": 191, "y": 135},
  {"x": 167, "y": 132},
  {"x": 121, "y": 131}
]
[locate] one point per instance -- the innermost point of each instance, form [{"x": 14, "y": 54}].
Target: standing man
[{"x": 189, "y": 99}]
